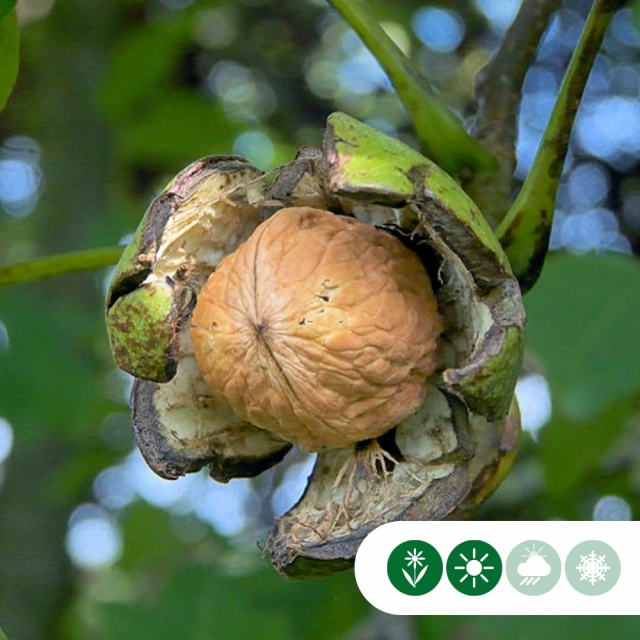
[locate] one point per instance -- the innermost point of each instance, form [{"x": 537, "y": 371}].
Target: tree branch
[
  {"x": 442, "y": 136},
  {"x": 525, "y": 231},
  {"x": 498, "y": 93},
  {"x": 58, "y": 265}
]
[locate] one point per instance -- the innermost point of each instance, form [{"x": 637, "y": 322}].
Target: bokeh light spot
[
  {"x": 20, "y": 176},
  {"x": 624, "y": 29},
  {"x": 593, "y": 230},
  {"x": 242, "y": 95},
  {"x": 361, "y": 73},
  {"x": 216, "y": 28},
  {"x": 438, "y": 29},
  {"x": 4, "y": 338},
  {"x": 534, "y": 398},
  {"x": 113, "y": 488},
  {"x": 151, "y": 487},
  {"x": 499, "y": 13},
  {"x": 292, "y": 486},
  {"x": 225, "y": 507},
  {"x": 256, "y": 147},
  {"x": 93, "y": 539},
  {"x": 6, "y": 439},
  {"x": 588, "y": 185},
  {"x": 609, "y": 128},
  {"x": 612, "y": 508}
]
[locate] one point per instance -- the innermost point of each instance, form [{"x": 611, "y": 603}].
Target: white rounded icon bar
[{"x": 547, "y": 568}]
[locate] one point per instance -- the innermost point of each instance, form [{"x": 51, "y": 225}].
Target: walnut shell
[{"x": 319, "y": 328}]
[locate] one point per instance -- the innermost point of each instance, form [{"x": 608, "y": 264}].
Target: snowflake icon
[{"x": 592, "y": 567}]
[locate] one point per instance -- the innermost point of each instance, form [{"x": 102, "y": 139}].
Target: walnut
[
  {"x": 328, "y": 360},
  {"x": 319, "y": 328}
]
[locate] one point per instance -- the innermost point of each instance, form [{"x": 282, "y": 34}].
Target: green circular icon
[
  {"x": 592, "y": 567},
  {"x": 474, "y": 567},
  {"x": 533, "y": 567},
  {"x": 414, "y": 567}
]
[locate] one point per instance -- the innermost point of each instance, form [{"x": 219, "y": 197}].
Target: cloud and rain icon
[{"x": 534, "y": 567}]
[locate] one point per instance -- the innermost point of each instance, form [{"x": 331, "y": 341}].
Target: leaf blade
[
  {"x": 408, "y": 577},
  {"x": 572, "y": 451},
  {"x": 9, "y": 54},
  {"x": 6, "y": 6},
  {"x": 421, "y": 574},
  {"x": 581, "y": 327}
]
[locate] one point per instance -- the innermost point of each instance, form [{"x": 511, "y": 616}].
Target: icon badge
[
  {"x": 533, "y": 567},
  {"x": 414, "y": 567},
  {"x": 592, "y": 567},
  {"x": 474, "y": 567}
]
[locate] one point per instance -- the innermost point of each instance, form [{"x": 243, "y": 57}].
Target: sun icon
[{"x": 474, "y": 567}]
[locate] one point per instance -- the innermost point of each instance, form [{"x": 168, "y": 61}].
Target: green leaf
[
  {"x": 198, "y": 604},
  {"x": 175, "y": 127},
  {"x": 141, "y": 64},
  {"x": 570, "y": 451},
  {"x": 583, "y": 326},
  {"x": 549, "y": 627},
  {"x": 206, "y": 602},
  {"x": 6, "y": 6},
  {"x": 150, "y": 539},
  {"x": 635, "y": 7},
  {"x": 201, "y": 603},
  {"x": 9, "y": 51},
  {"x": 52, "y": 380}
]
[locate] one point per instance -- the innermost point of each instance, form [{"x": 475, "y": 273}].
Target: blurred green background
[{"x": 112, "y": 99}]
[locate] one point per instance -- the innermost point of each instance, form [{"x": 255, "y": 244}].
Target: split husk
[{"x": 439, "y": 463}]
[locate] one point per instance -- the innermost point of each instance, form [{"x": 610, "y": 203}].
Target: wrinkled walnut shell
[{"x": 319, "y": 328}]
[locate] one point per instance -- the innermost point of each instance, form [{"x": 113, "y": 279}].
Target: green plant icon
[
  {"x": 415, "y": 559},
  {"x": 414, "y": 567},
  {"x": 474, "y": 567}
]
